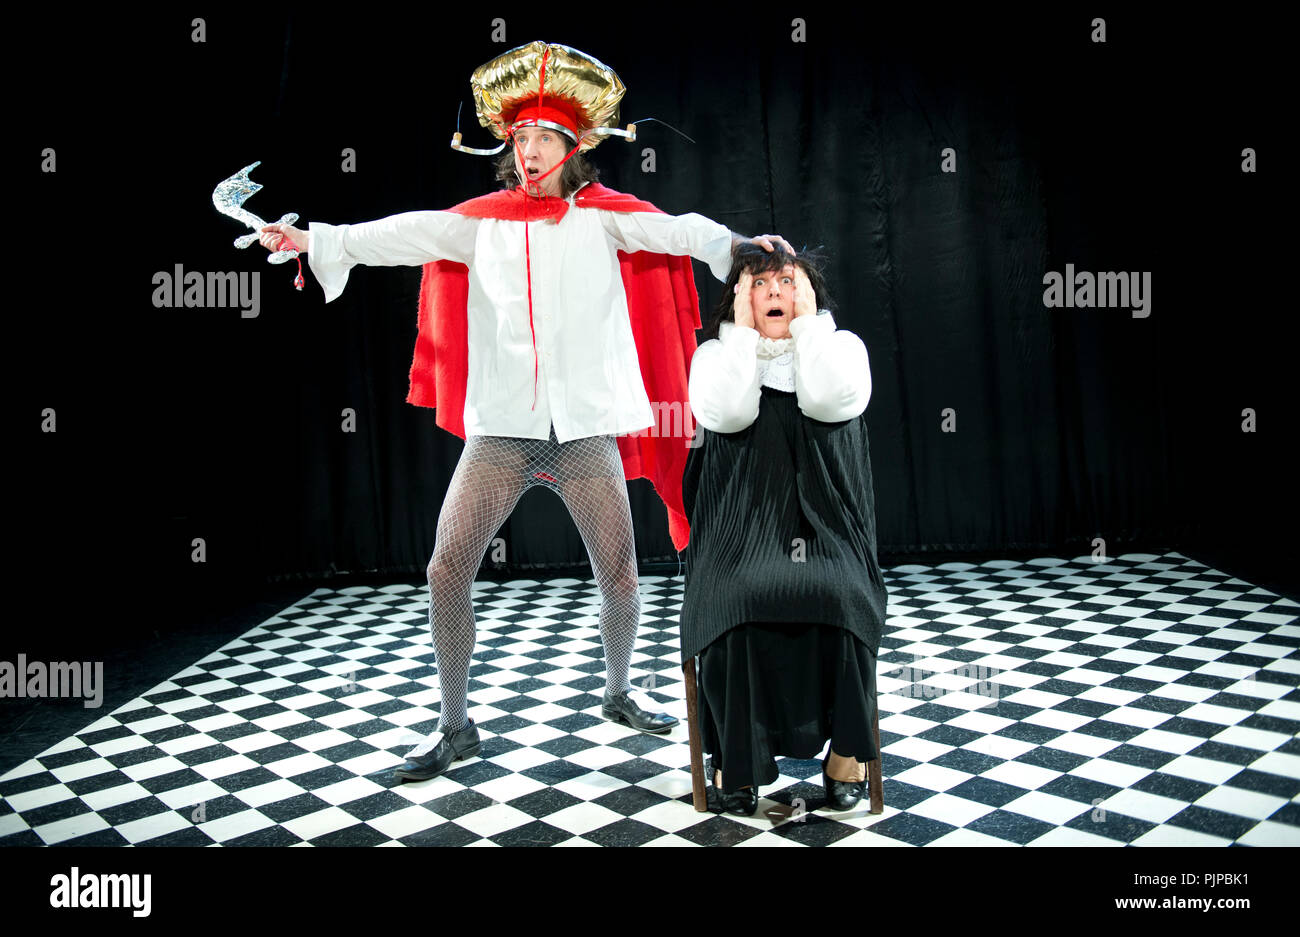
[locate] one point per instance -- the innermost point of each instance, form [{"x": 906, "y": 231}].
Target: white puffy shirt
[
  {"x": 831, "y": 379},
  {"x": 589, "y": 379}
]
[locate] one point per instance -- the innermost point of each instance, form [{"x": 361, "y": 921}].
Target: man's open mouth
[{"x": 775, "y": 313}]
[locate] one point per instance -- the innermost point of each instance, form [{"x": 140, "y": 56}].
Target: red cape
[{"x": 664, "y": 310}]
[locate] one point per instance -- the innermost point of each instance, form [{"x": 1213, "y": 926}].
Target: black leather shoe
[
  {"x": 623, "y": 709},
  {"x": 842, "y": 795},
  {"x": 741, "y": 803},
  {"x": 455, "y": 747}
]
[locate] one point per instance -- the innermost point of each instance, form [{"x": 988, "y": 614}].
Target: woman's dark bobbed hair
[{"x": 749, "y": 256}]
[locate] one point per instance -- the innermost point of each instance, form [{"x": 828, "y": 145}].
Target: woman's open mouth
[{"x": 775, "y": 314}]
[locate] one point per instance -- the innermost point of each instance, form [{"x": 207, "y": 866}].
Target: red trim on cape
[{"x": 664, "y": 310}]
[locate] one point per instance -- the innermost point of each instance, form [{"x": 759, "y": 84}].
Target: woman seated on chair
[{"x": 784, "y": 597}]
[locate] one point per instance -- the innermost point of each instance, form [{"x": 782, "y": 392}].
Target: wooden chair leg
[
  {"x": 698, "y": 794},
  {"x": 875, "y": 782}
]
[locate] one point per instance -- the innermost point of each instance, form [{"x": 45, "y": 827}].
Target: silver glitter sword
[{"x": 229, "y": 197}]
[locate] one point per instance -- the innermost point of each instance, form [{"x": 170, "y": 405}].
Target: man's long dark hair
[
  {"x": 575, "y": 172},
  {"x": 749, "y": 256}
]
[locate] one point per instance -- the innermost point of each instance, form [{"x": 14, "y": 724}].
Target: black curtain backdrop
[{"x": 1071, "y": 424}]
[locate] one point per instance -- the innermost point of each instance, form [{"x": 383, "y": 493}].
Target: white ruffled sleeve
[
  {"x": 724, "y": 382},
  {"x": 832, "y": 373}
]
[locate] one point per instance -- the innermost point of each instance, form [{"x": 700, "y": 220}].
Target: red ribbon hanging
[
  {"x": 298, "y": 282},
  {"x": 533, "y": 188}
]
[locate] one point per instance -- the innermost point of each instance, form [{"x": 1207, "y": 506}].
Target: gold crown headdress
[{"x": 547, "y": 85}]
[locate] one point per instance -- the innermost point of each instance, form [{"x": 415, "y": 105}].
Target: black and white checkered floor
[{"x": 1145, "y": 700}]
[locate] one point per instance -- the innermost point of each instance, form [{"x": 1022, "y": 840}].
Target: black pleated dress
[{"x": 785, "y": 601}]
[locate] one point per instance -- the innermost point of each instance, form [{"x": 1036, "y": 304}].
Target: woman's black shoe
[
  {"x": 842, "y": 795},
  {"x": 741, "y": 803}
]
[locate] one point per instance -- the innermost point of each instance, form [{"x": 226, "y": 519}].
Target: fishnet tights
[{"x": 492, "y": 475}]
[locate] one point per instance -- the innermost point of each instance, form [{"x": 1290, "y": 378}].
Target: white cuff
[
  {"x": 324, "y": 243},
  {"x": 718, "y": 255},
  {"x": 738, "y": 337},
  {"x": 823, "y": 322}
]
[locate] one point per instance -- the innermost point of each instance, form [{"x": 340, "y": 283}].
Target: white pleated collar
[
  {"x": 775, "y": 359},
  {"x": 774, "y": 347}
]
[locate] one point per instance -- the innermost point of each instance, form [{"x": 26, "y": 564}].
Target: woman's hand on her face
[
  {"x": 743, "y": 307},
  {"x": 805, "y": 299},
  {"x": 283, "y": 237}
]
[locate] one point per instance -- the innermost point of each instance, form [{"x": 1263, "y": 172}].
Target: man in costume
[{"x": 546, "y": 313}]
